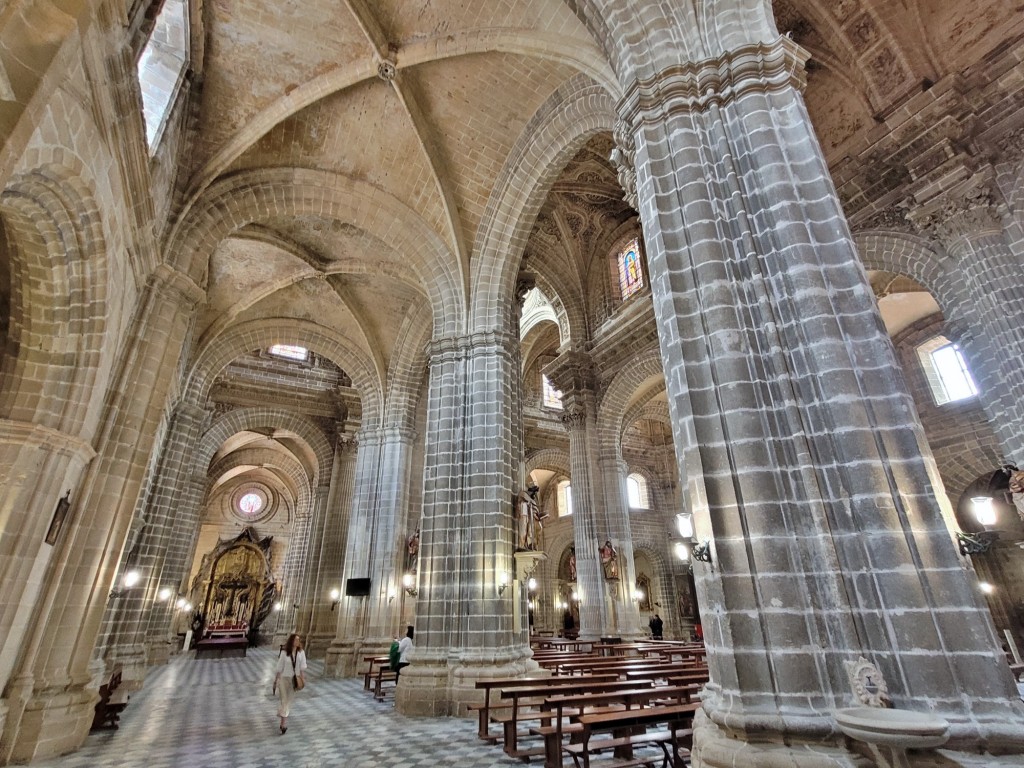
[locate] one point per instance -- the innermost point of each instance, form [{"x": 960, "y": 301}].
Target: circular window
[{"x": 250, "y": 504}]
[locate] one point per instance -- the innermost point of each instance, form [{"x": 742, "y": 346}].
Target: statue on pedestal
[
  {"x": 609, "y": 561},
  {"x": 528, "y": 519}
]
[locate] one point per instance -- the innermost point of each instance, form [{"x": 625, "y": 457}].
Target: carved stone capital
[
  {"x": 574, "y": 417},
  {"x": 571, "y": 372}
]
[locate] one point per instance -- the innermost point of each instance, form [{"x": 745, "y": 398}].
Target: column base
[
  {"x": 437, "y": 687},
  {"x": 340, "y": 659},
  {"x": 713, "y": 748},
  {"x": 53, "y": 725},
  {"x": 318, "y": 644}
]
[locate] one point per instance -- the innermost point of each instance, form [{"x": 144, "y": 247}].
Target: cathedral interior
[{"x": 513, "y": 319}]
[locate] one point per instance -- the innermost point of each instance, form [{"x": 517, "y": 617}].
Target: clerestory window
[
  {"x": 161, "y": 67},
  {"x": 946, "y": 371}
]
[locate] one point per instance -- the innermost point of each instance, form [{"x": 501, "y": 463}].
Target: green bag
[{"x": 394, "y": 656}]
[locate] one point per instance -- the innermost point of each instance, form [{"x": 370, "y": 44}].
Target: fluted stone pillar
[
  {"x": 327, "y": 570},
  {"x": 983, "y": 296},
  {"x": 600, "y": 600},
  {"x": 58, "y": 711},
  {"x": 807, "y": 469},
  {"x": 375, "y": 549},
  {"x": 464, "y": 621},
  {"x": 612, "y": 471}
]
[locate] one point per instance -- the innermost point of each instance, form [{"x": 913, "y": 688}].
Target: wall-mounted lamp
[
  {"x": 702, "y": 551},
  {"x": 502, "y": 582},
  {"x": 682, "y": 551},
  {"x": 163, "y": 595},
  {"x": 684, "y": 524},
  {"x": 638, "y": 595},
  {"x": 391, "y": 594},
  {"x": 128, "y": 581},
  {"x": 985, "y": 587},
  {"x": 183, "y": 605},
  {"x": 335, "y": 598},
  {"x": 409, "y": 585},
  {"x": 532, "y": 584},
  {"x": 984, "y": 510},
  {"x": 278, "y": 606}
]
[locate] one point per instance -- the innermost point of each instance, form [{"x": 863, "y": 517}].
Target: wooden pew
[
  {"x": 677, "y": 717},
  {"x": 523, "y": 695},
  {"x": 487, "y": 686},
  {"x": 630, "y": 698},
  {"x": 368, "y": 675},
  {"x": 107, "y": 714}
]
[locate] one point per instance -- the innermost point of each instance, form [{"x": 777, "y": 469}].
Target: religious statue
[
  {"x": 572, "y": 563},
  {"x": 412, "y": 551},
  {"x": 609, "y": 561},
  {"x": 528, "y": 519}
]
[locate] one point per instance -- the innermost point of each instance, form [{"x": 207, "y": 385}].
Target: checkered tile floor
[{"x": 218, "y": 713}]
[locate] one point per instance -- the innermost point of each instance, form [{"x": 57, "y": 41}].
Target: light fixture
[
  {"x": 985, "y": 587},
  {"x": 502, "y": 582},
  {"x": 702, "y": 551},
  {"x": 682, "y": 551},
  {"x": 532, "y": 584},
  {"x": 984, "y": 510},
  {"x": 187, "y": 607},
  {"x": 335, "y": 598},
  {"x": 278, "y": 606},
  {"x": 976, "y": 543},
  {"x": 163, "y": 595},
  {"x": 638, "y": 594},
  {"x": 391, "y": 594},
  {"x": 129, "y": 580},
  {"x": 409, "y": 585},
  {"x": 684, "y": 524}
]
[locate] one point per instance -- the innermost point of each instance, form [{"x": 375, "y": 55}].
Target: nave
[{"x": 218, "y": 713}]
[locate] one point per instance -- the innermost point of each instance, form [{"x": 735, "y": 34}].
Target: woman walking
[{"x": 290, "y": 669}]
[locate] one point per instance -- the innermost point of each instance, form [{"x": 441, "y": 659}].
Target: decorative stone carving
[
  {"x": 869, "y": 687},
  {"x": 893, "y": 218},
  {"x": 574, "y": 416},
  {"x": 386, "y": 70},
  {"x": 956, "y": 217},
  {"x": 623, "y": 158}
]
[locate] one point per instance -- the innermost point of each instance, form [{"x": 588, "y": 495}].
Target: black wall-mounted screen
[{"x": 357, "y": 587}]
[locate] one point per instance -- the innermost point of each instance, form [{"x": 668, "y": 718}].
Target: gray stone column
[
  {"x": 55, "y": 717},
  {"x": 807, "y": 470},
  {"x": 137, "y": 624},
  {"x": 464, "y": 619},
  {"x": 983, "y": 298}
]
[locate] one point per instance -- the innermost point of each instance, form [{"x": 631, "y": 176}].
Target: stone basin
[{"x": 894, "y": 728}]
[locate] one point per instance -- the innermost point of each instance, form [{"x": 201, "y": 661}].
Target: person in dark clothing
[{"x": 657, "y": 626}]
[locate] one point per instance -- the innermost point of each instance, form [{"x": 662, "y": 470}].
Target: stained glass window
[
  {"x": 631, "y": 273},
  {"x": 292, "y": 353}
]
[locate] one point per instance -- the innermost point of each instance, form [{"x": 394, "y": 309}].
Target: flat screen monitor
[{"x": 357, "y": 587}]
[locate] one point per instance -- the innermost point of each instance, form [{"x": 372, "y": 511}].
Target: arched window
[
  {"x": 630, "y": 270},
  {"x": 161, "y": 67},
  {"x": 636, "y": 490},
  {"x": 946, "y": 370},
  {"x": 552, "y": 397},
  {"x": 564, "y": 498}
]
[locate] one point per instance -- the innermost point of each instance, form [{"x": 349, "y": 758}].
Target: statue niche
[{"x": 235, "y": 585}]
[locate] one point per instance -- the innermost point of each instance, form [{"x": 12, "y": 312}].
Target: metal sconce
[
  {"x": 128, "y": 581},
  {"x": 335, "y": 598},
  {"x": 981, "y": 542},
  {"x": 409, "y": 585},
  {"x": 502, "y": 583},
  {"x": 702, "y": 551}
]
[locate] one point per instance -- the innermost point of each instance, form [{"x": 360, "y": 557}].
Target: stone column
[
  {"x": 375, "y": 549},
  {"x": 58, "y": 711},
  {"x": 464, "y": 619},
  {"x": 328, "y": 568},
  {"x": 983, "y": 300},
  {"x": 160, "y": 522},
  {"x": 600, "y": 600},
  {"x": 612, "y": 470},
  {"x": 807, "y": 469}
]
